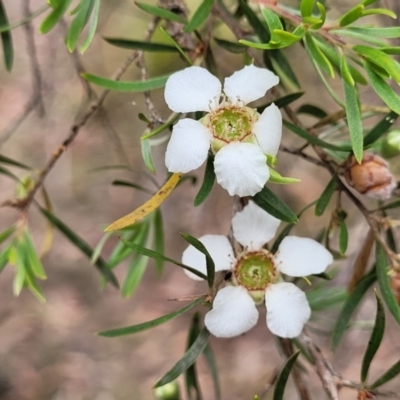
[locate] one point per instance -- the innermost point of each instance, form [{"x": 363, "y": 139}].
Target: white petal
[
  {"x": 287, "y": 309},
  {"x": 298, "y": 256},
  {"x": 268, "y": 130},
  {"x": 253, "y": 227},
  {"x": 188, "y": 147},
  {"x": 192, "y": 89},
  {"x": 233, "y": 313},
  {"x": 220, "y": 251},
  {"x": 249, "y": 84},
  {"x": 241, "y": 169}
]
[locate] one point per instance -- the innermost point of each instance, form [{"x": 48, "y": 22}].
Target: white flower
[
  {"x": 256, "y": 276},
  {"x": 237, "y": 135}
]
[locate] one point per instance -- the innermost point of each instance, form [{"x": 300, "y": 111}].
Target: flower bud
[
  {"x": 170, "y": 391},
  {"x": 391, "y": 144},
  {"x": 372, "y": 177}
]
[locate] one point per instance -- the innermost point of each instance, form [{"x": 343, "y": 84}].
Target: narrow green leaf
[
  {"x": 138, "y": 86},
  {"x": 273, "y": 23},
  {"x": 344, "y": 71},
  {"x": 375, "y": 339},
  {"x": 187, "y": 360},
  {"x": 325, "y": 197},
  {"x": 6, "y": 39},
  {"x": 147, "y": 156},
  {"x": 200, "y": 16},
  {"x": 310, "y": 109},
  {"x": 381, "y": 59},
  {"x": 259, "y": 28},
  {"x": 353, "y": 114},
  {"x": 92, "y": 27},
  {"x": 283, "y": 376},
  {"x": 391, "y": 32},
  {"x": 20, "y": 273},
  {"x": 99, "y": 247},
  {"x": 276, "y": 177},
  {"x": 343, "y": 234},
  {"x": 380, "y": 128},
  {"x": 155, "y": 255},
  {"x": 209, "y": 261},
  {"x": 391, "y": 373},
  {"x": 394, "y": 204},
  {"x": 32, "y": 257},
  {"x": 161, "y": 12},
  {"x": 322, "y": 11},
  {"x": 384, "y": 283},
  {"x": 383, "y": 90},
  {"x": 208, "y": 183},
  {"x": 81, "y": 245},
  {"x": 360, "y": 36},
  {"x": 283, "y": 67},
  {"x": 325, "y": 297},
  {"x": 6, "y": 234},
  {"x": 121, "y": 251},
  {"x": 232, "y": 47},
  {"x": 139, "y": 45},
  {"x": 8, "y": 173},
  {"x": 7, "y": 160},
  {"x": 4, "y": 257},
  {"x": 174, "y": 42},
  {"x": 171, "y": 120},
  {"x": 79, "y": 23},
  {"x": 391, "y": 50},
  {"x": 306, "y": 7},
  {"x": 159, "y": 238},
  {"x": 349, "y": 307},
  {"x": 272, "y": 204},
  {"x": 352, "y": 15},
  {"x": 379, "y": 11},
  {"x": 212, "y": 364},
  {"x": 313, "y": 139},
  {"x": 134, "y": 275},
  {"x": 282, "y": 101},
  {"x": 119, "y": 182},
  {"x": 318, "y": 56},
  {"x": 129, "y": 330}
]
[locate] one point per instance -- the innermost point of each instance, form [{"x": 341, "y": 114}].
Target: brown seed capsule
[{"x": 372, "y": 177}]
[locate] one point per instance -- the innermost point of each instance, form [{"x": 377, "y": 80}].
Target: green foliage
[
  {"x": 208, "y": 183},
  {"x": 200, "y": 16},
  {"x": 284, "y": 376},
  {"x": 325, "y": 197},
  {"x": 6, "y": 39}
]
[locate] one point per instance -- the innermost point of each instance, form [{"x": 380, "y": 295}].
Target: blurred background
[{"x": 50, "y": 351}]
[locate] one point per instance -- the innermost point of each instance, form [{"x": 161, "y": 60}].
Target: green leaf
[
  {"x": 283, "y": 376},
  {"x": 79, "y": 23},
  {"x": 318, "y": 56},
  {"x": 6, "y": 39},
  {"x": 325, "y": 197},
  {"x": 392, "y": 32},
  {"x": 344, "y": 71},
  {"x": 209, "y": 261},
  {"x": 322, "y": 11},
  {"x": 394, "y": 204},
  {"x": 191, "y": 379},
  {"x": 273, "y": 23},
  {"x": 159, "y": 238},
  {"x": 353, "y": 114},
  {"x": 349, "y": 307},
  {"x": 92, "y": 27},
  {"x": 147, "y": 156},
  {"x": 155, "y": 255},
  {"x": 139, "y": 45},
  {"x": 383, "y": 90},
  {"x": 343, "y": 234},
  {"x": 210, "y": 358},
  {"x": 129, "y": 330},
  {"x": 259, "y": 28},
  {"x": 283, "y": 68},
  {"x": 325, "y": 297},
  {"x": 381, "y": 59},
  {"x": 6, "y": 160},
  {"x": 375, "y": 339},
  {"x": 200, "y": 16},
  {"x": 187, "y": 360},
  {"x": 133, "y": 185},
  {"x": 276, "y": 177},
  {"x": 208, "y": 183},
  {"x": 379, "y": 11},
  {"x": 390, "y": 50},
  {"x": 272, "y": 204},
  {"x": 81, "y": 245},
  {"x": 310, "y": 109},
  {"x": 282, "y": 101},
  {"x": 352, "y": 15},
  {"x": 384, "y": 283},
  {"x": 138, "y": 86},
  {"x": 313, "y": 139},
  {"x": 4, "y": 257},
  {"x": 173, "y": 41},
  {"x": 232, "y": 47},
  {"x": 306, "y": 7},
  {"x": 6, "y": 234},
  {"x": 380, "y": 128},
  {"x": 8, "y": 173},
  {"x": 32, "y": 257},
  {"x": 161, "y": 12},
  {"x": 358, "y": 35},
  {"x": 171, "y": 120},
  {"x": 391, "y": 373}
]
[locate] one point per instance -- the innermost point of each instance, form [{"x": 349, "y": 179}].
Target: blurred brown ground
[{"x": 49, "y": 351}]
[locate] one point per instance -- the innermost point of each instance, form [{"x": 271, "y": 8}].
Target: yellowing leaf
[{"x": 147, "y": 207}]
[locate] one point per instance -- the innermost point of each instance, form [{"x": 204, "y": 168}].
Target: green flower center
[
  {"x": 255, "y": 270},
  {"x": 230, "y": 124}
]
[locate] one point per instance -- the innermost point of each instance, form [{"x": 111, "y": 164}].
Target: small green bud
[
  {"x": 391, "y": 144},
  {"x": 170, "y": 391}
]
